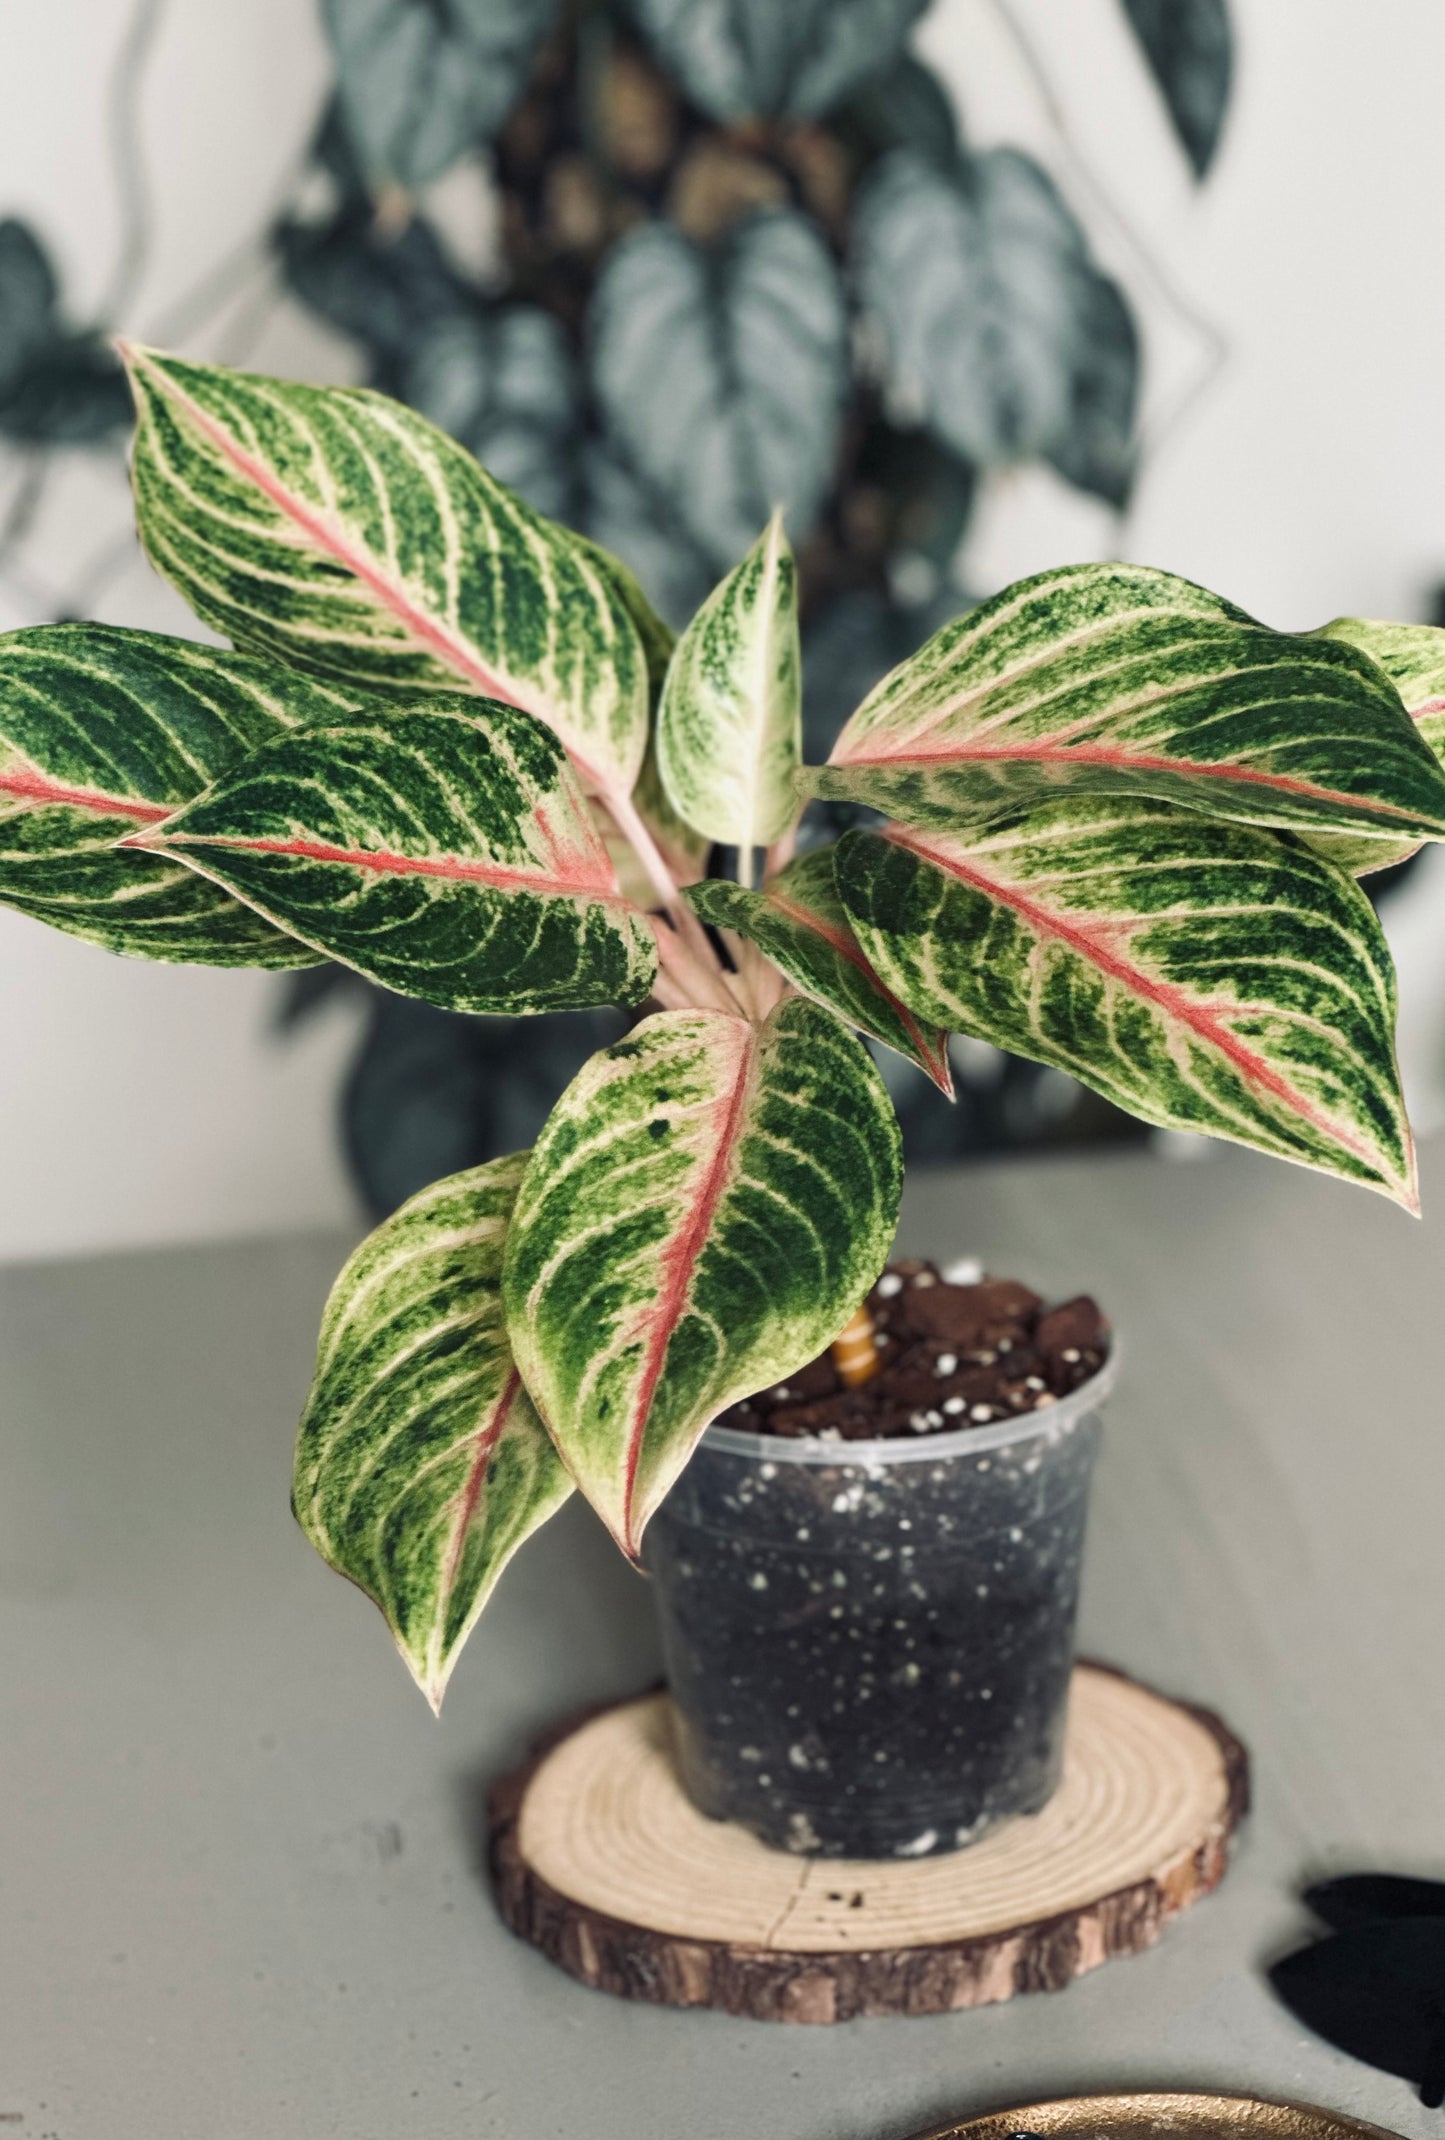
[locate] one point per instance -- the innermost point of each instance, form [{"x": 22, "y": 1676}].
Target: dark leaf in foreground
[{"x": 1376, "y": 1988}]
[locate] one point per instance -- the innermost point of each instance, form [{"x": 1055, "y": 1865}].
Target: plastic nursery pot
[{"x": 869, "y": 1643}]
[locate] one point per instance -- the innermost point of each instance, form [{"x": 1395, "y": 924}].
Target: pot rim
[{"x": 1052, "y": 1421}]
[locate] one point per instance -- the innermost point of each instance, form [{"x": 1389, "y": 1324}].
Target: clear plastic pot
[{"x": 869, "y": 1643}]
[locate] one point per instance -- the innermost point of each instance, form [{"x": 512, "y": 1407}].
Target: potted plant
[{"x": 1105, "y": 820}]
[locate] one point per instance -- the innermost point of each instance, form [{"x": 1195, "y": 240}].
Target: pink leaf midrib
[
  {"x": 678, "y": 1264},
  {"x": 29, "y": 784},
  {"x": 1197, "y": 1018},
  {"x": 1224, "y": 770},
  {"x": 848, "y": 947},
  {"x": 383, "y": 861}
]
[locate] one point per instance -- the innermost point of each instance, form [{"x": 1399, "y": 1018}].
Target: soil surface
[{"x": 957, "y": 1349}]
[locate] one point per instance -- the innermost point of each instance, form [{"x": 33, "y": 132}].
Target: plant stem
[
  {"x": 782, "y": 851},
  {"x": 701, "y": 987},
  {"x": 628, "y": 820}
]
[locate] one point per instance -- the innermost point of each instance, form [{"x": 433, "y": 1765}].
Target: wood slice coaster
[{"x": 602, "y": 1862}]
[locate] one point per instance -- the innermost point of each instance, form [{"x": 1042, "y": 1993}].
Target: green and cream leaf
[
  {"x": 1116, "y": 679},
  {"x": 332, "y": 528},
  {"x": 444, "y": 851},
  {"x": 1413, "y": 657},
  {"x": 707, "y": 1205},
  {"x": 103, "y": 731},
  {"x": 729, "y": 729},
  {"x": 421, "y": 1464},
  {"x": 1203, "y": 975},
  {"x": 800, "y": 921}
]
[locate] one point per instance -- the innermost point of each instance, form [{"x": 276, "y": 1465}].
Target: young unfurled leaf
[
  {"x": 102, "y": 731},
  {"x": 1204, "y": 975},
  {"x": 800, "y": 921},
  {"x": 684, "y": 851},
  {"x": 1189, "y": 48},
  {"x": 339, "y": 531},
  {"x": 729, "y": 730},
  {"x": 707, "y": 1205},
  {"x": 445, "y": 852},
  {"x": 421, "y": 1465},
  {"x": 722, "y": 373},
  {"x": 1117, "y": 679}
]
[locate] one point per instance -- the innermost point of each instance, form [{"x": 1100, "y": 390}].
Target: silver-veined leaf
[
  {"x": 730, "y": 726},
  {"x": 741, "y": 58},
  {"x": 1119, "y": 679},
  {"x": 1204, "y": 975},
  {"x": 800, "y": 921},
  {"x": 444, "y": 851},
  {"x": 102, "y": 731},
  {"x": 502, "y": 382},
  {"x": 421, "y": 1464},
  {"x": 982, "y": 281},
  {"x": 722, "y": 373},
  {"x": 637, "y": 522},
  {"x": 422, "y": 81},
  {"x": 1189, "y": 47},
  {"x": 707, "y": 1205},
  {"x": 336, "y": 530}
]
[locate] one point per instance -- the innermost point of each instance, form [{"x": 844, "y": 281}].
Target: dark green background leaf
[{"x": 1189, "y": 47}]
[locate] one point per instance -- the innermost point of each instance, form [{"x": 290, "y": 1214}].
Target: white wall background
[{"x": 145, "y": 1104}]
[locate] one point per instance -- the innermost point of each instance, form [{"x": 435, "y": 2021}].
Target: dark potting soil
[
  {"x": 869, "y": 1655},
  {"x": 956, "y": 1349}
]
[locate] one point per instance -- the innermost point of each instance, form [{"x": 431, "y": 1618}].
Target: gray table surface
[{"x": 241, "y": 1893}]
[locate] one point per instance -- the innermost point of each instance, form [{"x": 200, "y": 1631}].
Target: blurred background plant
[{"x": 741, "y": 253}]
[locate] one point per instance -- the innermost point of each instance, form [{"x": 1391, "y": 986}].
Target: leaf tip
[{"x": 432, "y": 1675}]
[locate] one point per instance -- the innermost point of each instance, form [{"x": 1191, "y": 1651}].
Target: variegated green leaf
[
  {"x": 708, "y": 1203},
  {"x": 340, "y": 531},
  {"x": 800, "y": 921},
  {"x": 655, "y": 635},
  {"x": 1118, "y": 679},
  {"x": 444, "y": 851},
  {"x": 729, "y": 729},
  {"x": 1205, "y": 975},
  {"x": 421, "y": 1465},
  {"x": 1413, "y": 657},
  {"x": 103, "y": 730}
]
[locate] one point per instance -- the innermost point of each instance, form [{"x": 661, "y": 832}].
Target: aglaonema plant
[{"x": 1120, "y": 825}]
